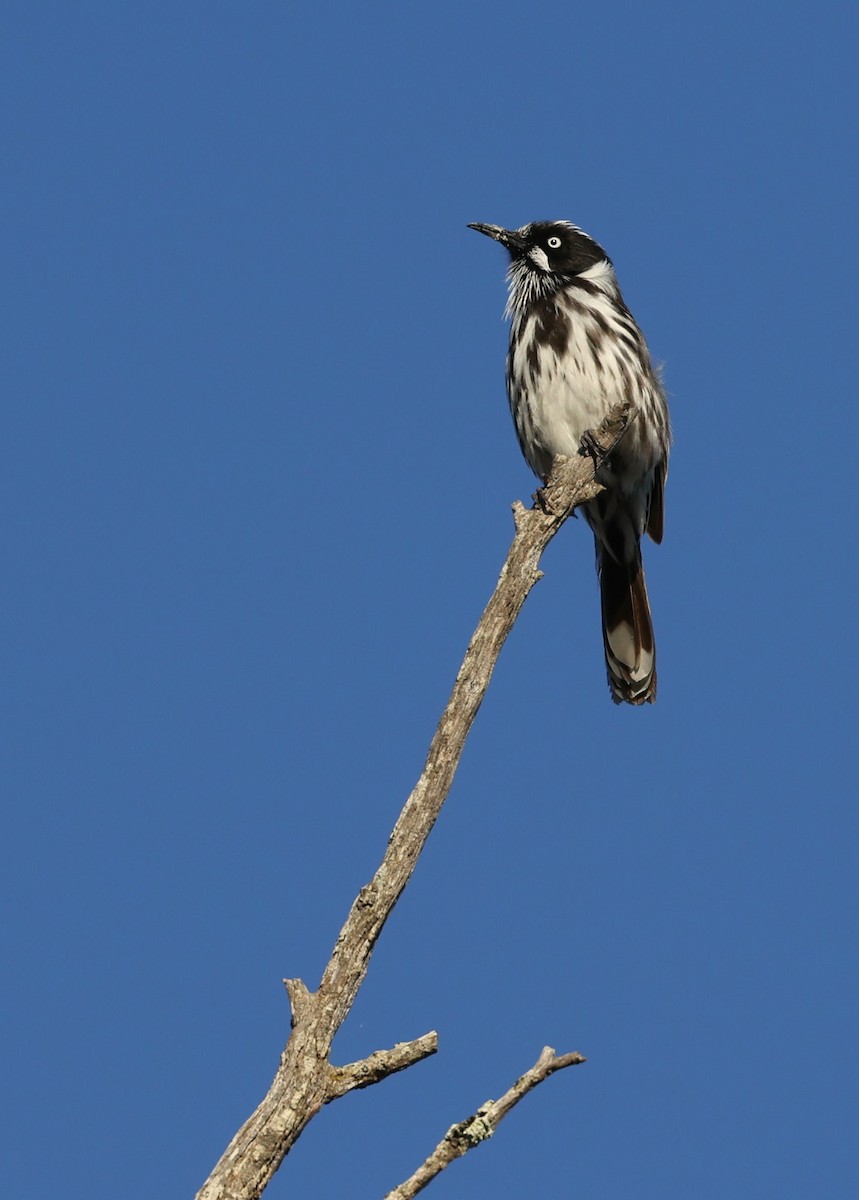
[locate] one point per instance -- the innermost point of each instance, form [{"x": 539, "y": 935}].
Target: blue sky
[{"x": 256, "y": 474}]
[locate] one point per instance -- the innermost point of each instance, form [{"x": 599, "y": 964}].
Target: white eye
[{"x": 553, "y": 243}]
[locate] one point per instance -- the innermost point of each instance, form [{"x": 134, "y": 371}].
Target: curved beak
[{"x": 507, "y": 237}]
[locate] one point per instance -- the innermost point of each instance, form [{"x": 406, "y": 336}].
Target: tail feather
[{"x": 627, "y": 628}]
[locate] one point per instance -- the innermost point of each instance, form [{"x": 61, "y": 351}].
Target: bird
[{"x": 575, "y": 352}]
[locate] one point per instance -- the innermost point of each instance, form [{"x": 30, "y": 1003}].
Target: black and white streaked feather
[{"x": 575, "y": 352}]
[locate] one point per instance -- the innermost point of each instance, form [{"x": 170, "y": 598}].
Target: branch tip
[
  {"x": 380, "y": 1064},
  {"x": 467, "y": 1134},
  {"x": 299, "y": 999}
]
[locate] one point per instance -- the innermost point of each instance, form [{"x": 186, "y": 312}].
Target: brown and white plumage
[{"x": 575, "y": 352}]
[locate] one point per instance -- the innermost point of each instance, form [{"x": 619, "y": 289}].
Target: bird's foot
[
  {"x": 592, "y": 448},
  {"x": 542, "y": 501}
]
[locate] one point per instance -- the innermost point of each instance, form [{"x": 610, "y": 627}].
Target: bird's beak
[{"x": 507, "y": 237}]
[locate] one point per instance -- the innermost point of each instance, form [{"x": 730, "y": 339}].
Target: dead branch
[
  {"x": 467, "y": 1134},
  {"x": 305, "y": 1079}
]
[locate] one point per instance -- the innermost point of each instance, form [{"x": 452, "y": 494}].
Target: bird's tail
[{"x": 627, "y": 629}]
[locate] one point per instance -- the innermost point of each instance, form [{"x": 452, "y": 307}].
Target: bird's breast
[
  {"x": 571, "y": 360},
  {"x": 559, "y": 382}
]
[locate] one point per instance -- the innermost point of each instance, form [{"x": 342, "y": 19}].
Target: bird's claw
[
  {"x": 542, "y": 501},
  {"x": 591, "y": 447}
]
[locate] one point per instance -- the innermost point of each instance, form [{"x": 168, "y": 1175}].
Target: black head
[{"x": 554, "y": 247}]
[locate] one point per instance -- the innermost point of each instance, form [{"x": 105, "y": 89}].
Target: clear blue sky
[{"x": 256, "y": 474}]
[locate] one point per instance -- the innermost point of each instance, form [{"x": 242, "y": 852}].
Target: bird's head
[{"x": 552, "y": 247}]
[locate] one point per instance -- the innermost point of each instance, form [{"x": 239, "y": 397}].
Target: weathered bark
[
  {"x": 305, "y": 1079},
  {"x": 467, "y": 1134}
]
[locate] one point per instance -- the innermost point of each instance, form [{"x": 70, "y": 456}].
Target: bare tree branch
[
  {"x": 305, "y": 1080},
  {"x": 467, "y": 1134},
  {"x": 381, "y": 1064}
]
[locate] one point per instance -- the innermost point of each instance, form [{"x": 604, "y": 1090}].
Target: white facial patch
[
  {"x": 602, "y": 274},
  {"x": 538, "y": 258}
]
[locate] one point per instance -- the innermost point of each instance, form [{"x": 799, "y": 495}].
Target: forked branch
[
  {"x": 305, "y": 1079},
  {"x": 467, "y": 1134}
]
